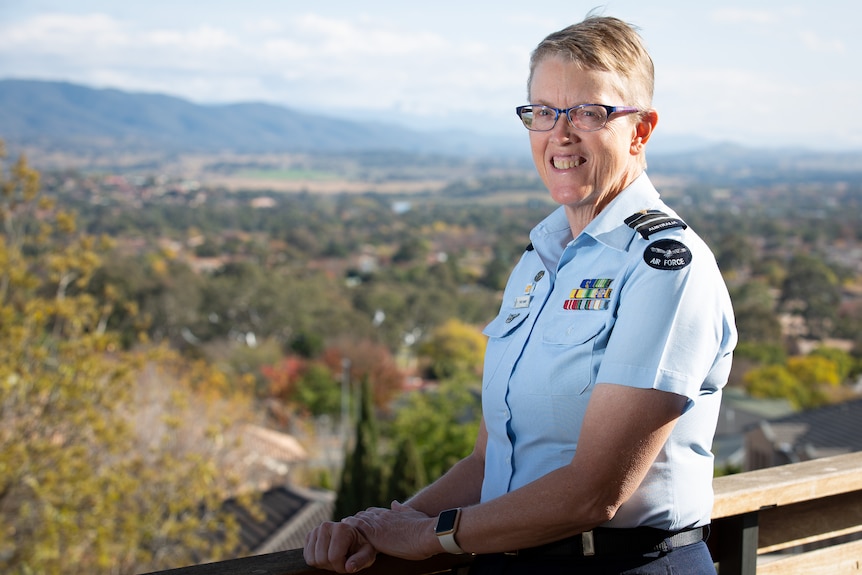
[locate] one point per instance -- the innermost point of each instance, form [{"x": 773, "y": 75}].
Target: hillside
[{"x": 62, "y": 116}]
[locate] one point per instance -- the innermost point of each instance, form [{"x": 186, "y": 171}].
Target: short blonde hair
[{"x": 606, "y": 44}]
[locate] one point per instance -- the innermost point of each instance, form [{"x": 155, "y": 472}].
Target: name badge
[{"x": 522, "y": 302}]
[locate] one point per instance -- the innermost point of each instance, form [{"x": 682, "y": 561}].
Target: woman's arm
[
  {"x": 340, "y": 547},
  {"x": 623, "y": 431}
]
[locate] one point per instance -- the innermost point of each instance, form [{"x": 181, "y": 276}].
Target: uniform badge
[
  {"x": 522, "y": 302},
  {"x": 649, "y": 222},
  {"x": 592, "y": 294},
  {"x": 667, "y": 255}
]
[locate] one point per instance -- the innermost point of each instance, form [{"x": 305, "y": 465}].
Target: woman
[{"x": 604, "y": 367}]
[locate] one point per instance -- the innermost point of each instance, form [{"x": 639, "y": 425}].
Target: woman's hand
[
  {"x": 400, "y": 531},
  {"x": 339, "y": 547}
]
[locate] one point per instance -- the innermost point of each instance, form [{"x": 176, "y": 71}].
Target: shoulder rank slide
[{"x": 648, "y": 222}]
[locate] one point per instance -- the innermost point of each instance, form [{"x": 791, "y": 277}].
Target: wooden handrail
[
  {"x": 786, "y": 484},
  {"x": 799, "y": 506},
  {"x": 291, "y": 563},
  {"x": 756, "y": 517}
]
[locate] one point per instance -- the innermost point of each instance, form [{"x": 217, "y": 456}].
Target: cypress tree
[
  {"x": 361, "y": 478},
  {"x": 407, "y": 475}
]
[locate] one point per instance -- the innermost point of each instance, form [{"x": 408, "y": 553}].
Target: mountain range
[
  {"x": 62, "y": 115},
  {"x": 65, "y": 117}
]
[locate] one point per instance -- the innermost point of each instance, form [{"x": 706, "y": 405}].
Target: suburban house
[
  {"x": 811, "y": 434},
  {"x": 739, "y": 411}
]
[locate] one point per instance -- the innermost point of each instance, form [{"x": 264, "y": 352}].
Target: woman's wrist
[{"x": 430, "y": 541}]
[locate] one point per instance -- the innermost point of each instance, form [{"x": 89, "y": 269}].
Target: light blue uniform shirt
[{"x": 613, "y": 307}]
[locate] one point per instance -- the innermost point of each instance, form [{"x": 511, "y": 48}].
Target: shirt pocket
[
  {"x": 576, "y": 342},
  {"x": 499, "y": 333},
  {"x": 573, "y": 328},
  {"x": 505, "y": 323}
]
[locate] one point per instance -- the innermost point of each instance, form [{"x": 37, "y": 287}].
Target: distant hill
[
  {"x": 65, "y": 117},
  {"x": 61, "y": 115}
]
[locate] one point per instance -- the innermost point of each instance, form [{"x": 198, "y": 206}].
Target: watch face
[{"x": 446, "y": 521}]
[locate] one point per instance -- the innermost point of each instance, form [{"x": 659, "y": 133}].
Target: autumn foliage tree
[
  {"x": 94, "y": 477},
  {"x": 805, "y": 381},
  {"x": 454, "y": 348}
]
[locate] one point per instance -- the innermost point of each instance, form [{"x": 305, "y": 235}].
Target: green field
[{"x": 287, "y": 174}]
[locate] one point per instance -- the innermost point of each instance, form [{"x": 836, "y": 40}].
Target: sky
[{"x": 760, "y": 73}]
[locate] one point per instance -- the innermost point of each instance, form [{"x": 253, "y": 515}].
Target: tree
[
  {"x": 91, "y": 481},
  {"x": 756, "y": 319},
  {"x": 61, "y": 436},
  {"x": 845, "y": 364},
  {"x": 815, "y": 372},
  {"x": 734, "y": 251},
  {"x": 360, "y": 486},
  {"x": 813, "y": 288},
  {"x": 407, "y": 472},
  {"x": 318, "y": 391},
  {"x": 775, "y": 381},
  {"x": 369, "y": 362},
  {"x": 804, "y": 381},
  {"x": 454, "y": 348},
  {"x": 497, "y": 270},
  {"x": 763, "y": 353},
  {"x": 442, "y": 423},
  {"x": 412, "y": 249}
]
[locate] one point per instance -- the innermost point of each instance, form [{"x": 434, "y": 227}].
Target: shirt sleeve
[{"x": 671, "y": 322}]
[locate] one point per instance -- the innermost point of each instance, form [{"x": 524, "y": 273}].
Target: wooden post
[{"x": 737, "y": 544}]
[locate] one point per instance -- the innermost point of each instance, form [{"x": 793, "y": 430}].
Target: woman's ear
[{"x": 643, "y": 130}]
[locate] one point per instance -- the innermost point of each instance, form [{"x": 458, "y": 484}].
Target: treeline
[{"x": 305, "y": 268}]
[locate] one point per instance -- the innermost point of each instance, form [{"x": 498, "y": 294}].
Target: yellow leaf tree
[
  {"x": 454, "y": 349},
  {"x": 96, "y": 476}
]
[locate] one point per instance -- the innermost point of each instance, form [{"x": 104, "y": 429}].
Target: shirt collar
[
  {"x": 609, "y": 226},
  {"x": 551, "y": 236}
]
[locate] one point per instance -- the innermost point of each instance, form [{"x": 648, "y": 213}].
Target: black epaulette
[{"x": 648, "y": 222}]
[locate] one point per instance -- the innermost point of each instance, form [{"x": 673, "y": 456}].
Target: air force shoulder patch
[{"x": 667, "y": 255}]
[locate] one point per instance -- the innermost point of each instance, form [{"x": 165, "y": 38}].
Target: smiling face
[{"x": 585, "y": 170}]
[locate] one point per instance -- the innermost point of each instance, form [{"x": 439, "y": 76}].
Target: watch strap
[{"x": 447, "y": 526}]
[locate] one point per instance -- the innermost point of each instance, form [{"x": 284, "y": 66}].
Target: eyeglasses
[{"x": 586, "y": 117}]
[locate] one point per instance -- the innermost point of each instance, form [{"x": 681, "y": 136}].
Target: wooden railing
[{"x": 789, "y": 520}]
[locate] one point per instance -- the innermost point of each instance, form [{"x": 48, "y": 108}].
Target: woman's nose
[{"x": 563, "y": 129}]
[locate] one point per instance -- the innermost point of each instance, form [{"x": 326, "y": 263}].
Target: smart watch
[{"x": 447, "y": 525}]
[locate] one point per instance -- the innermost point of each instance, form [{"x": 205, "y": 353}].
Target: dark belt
[{"x": 608, "y": 541}]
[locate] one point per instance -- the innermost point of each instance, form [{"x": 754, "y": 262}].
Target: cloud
[
  {"x": 821, "y": 45},
  {"x": 54, "y": 33},
  {"x": 376, "y": 64},
  {"x": 299, "y": 59},
  {"x": 203, "y": 38},
  {"x": 262, "y": 26}
]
